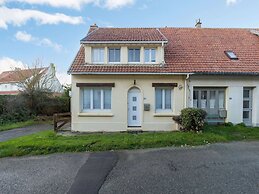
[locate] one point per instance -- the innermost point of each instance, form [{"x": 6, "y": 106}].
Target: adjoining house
[
  {"x": 10, "y": 80},
  {"x": 138, "y": 78}
]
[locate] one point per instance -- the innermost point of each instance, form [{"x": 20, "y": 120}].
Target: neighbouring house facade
[
  {"x": 10, "y": 80},
  {"x": 138, "y": 78}
]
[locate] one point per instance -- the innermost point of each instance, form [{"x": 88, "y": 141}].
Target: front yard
[{"x": 48, "y": 142}]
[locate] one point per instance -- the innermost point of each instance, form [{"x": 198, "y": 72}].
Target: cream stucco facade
[{"x": 116, "y": 119}]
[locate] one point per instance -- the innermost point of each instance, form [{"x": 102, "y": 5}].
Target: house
[
  {"x": 10, "y": 81},
  {"x": 138, "y": 78}
]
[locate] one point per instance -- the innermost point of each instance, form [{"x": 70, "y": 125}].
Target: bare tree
[{"x": 35, "y": 84}]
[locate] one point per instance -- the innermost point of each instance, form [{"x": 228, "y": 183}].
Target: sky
[{"x": 50, "y": 30}]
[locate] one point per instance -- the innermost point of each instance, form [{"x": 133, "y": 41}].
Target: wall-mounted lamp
[
  {"x": 134, "y": 82},
  {"x": 180, "y": 87}
]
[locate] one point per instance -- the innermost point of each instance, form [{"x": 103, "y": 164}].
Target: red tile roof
[
  {"x": 191, "y": 50},
  {"x": 124, "y": 34},
  {"x": 9, "y": 92},
  {"x": 15, "y": 76}
]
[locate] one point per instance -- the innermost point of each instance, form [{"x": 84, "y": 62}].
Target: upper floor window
[
  {"x": 98, "y": 55},
  {"x": 114, "y": 55},
  {"x": 163, "y": 99},
  {"x": 134, "y": 55},
  {"x": 150, "y": 55}
]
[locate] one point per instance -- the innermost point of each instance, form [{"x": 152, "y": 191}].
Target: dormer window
[
  {"x": 98, "y": 55},
  {"x": 114, "y": 55},
  {"x": 231, "y": 55},
  {"x": 134, "y": 55},
  {"x": 150, "y": 55}
]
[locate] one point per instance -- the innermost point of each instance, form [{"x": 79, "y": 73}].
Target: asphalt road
[
  {"x": 218, "y": 168},
  {"x": 13, "y": 133}
]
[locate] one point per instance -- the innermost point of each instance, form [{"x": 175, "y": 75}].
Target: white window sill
[
  {"x": 163, "y": 114},
  {"x": 95, "y": 114}
]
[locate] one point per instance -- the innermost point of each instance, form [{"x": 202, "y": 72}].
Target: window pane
[
  {"x": 212, "y": 99},
  {"x": 147, "y": 56},
  {"x": 107, "y": 98},
  {"x": 221, "y": 99},
  {"x": 96, "y": 99},
  {"x": 134, "y": 55},
  {"x": 167, "y": 99},
  {"x": 246, "y": 93},
  {"x": 246, "y": 104},
  {"x": 153, "y": 55},
  {"x": 114, "y": 55},
  {"x": 203, "y": 99},
  {"x": 98, "y": 55},
  {"x": 158, "y": 98},
  {"x": 130, "y": 55},
  {"x": 245, "y": 114},
  {"x": 117, "y": 55},
  {"x": 195, "y": 99},
  {"x": 137, "y": 55},
  {"x": 86, "y": 98}
]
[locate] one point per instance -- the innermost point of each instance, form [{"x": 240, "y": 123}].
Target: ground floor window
[
  {"x": 163, "y": 99},
  {"x": 212, "y": 100},
  {"x": 96, "y": 99}
]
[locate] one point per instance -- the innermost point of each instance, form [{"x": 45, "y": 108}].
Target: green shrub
[
  {"x": 241, "y": 124},
  {"x": 229, "y": 124},
  {"x": 191, "y": 119}
]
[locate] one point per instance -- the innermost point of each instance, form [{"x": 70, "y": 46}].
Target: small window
[
  {"x": 134, "y": 55},
  {"x": 98, "y": 55},
  {"x": 96, "y": 99},
  {"x": 231, "y": 55},
  {"x": 150, "y": 55},
  {"x": 114, "y": 55},
  {"x": 163, "y": 99}
]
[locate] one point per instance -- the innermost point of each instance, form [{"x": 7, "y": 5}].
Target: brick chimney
[
  {"x": 93, "y": 27},
  {"x": 198, "y": 23}
]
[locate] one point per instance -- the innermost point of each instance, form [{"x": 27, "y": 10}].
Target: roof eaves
[{"x": 124, "y": 42}]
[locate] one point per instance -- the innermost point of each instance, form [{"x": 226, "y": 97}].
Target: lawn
[
  {"x": 48, "y": 142},
  {"x": 10, "y": 126}
]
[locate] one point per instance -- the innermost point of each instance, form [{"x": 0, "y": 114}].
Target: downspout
[{"x": 185, "y": 90}]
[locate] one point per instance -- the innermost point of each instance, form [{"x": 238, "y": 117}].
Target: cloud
[
  {"x": 7, "y": 64},
  {"x": 231, "y": 2},
  {"x": 25, "y": 37},
  {"x": 76, "y": 4},
  {"x": 114, "y": 4},
  {"x": 64, "y": 78},
  {"x": 19, "y": 17}
]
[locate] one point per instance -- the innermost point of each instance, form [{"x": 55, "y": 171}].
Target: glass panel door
[{"x": 247, "y": 106}]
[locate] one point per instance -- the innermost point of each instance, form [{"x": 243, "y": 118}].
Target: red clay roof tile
[{"x": 189, "y": 50}]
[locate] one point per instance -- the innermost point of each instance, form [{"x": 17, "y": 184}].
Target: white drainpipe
[{"x": 185, "y": 90}]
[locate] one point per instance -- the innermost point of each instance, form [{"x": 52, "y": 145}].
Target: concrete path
[
  {"x": 218, "y": 168},
  {"x": 13, "y": 133}
]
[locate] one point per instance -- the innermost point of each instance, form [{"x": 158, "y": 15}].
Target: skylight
[{"x": 231, "y": 55}]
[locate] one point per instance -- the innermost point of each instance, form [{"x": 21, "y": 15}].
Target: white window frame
[
  {"x": 163, "y": 100},
  {"x": 139, "y": 55},
  {"x": 97, "y": 48},
  {"x": 150, "y": 55},
  {"x": 92, "y": 100},
  {"x": 109, "y": 55}
]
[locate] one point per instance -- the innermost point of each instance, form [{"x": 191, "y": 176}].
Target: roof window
[{"x": 231, "y": 55}]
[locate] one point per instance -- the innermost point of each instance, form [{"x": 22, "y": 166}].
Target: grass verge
[
  {"x": 48, "y": 142},
  {"x": 20, "y": 124}
]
